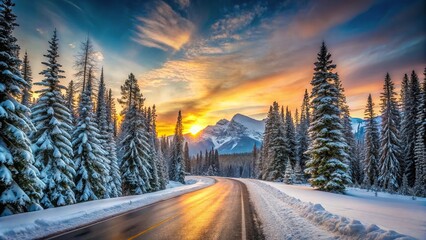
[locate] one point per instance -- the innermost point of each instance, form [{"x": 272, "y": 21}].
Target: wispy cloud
[
  {"x": 235, "y": 21},
  {"x": 321, "y": 15},
  {"x": 183, "y": 4},
  {"x": 163, "y": 28},
  {"x": 40, "y": 31}
]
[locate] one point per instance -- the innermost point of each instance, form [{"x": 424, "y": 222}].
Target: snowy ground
[
  {"x": 42, "y": 223},
  {"x": 324, "y": 215}
]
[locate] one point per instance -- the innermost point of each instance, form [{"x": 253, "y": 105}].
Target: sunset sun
[{"x": 195, "y": 129}]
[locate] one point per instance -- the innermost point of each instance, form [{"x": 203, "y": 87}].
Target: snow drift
[{"x": 340, "y": 226}]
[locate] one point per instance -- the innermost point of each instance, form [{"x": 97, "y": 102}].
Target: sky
[{"x": 213, "y": 59}]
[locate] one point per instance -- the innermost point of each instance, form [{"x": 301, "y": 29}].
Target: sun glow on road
[{"x": 195, "y": 129}]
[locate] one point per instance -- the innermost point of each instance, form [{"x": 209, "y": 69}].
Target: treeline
[
  {"x": 207, "y": 164},
  {"x": 239, "y": 165},
  {"x": 61, "y": 149},
  {"x": 318, "y": 145}
]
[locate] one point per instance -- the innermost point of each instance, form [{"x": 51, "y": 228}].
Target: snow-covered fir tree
[
  {"x": 372, "y": 144},
  {"x": 254, "y": 162},
  {"x": 51, "y": 141},
  {"x": 165, "y": 150},
  {"x": 345, "y": 119},
  {"x": 134, "y": 144},
  {"x": 160, "y": 161},
  {"x": 289, "y": 173},
  {"x": 89, "y": 156},
  {"x": 290, "y": 137},
  {"x": 154, "y": 180},
  {"x": 404, "y": 189},
  {"x": 111, "y": 112},
  {"x": 102, "y": 122},
  {"x": 70, "y": 100},
  {"x": 302, "y": 137},
  {"x": 20, "y": 187},
  {"x": 390, "y": 148},
  {"x": 298, "y": 173},
  {"x": 263, "y": 159},
  {"x": 177, "y": 164},
  {"x": 327, "y": 147},
  {"x": 114, "y": 185},
  {"x": 27, "y": 76},
  {"x": 275, "y": 146},
  {"x": 420, "y": 144},
  {"x": 411, "y": 101},
  {"x": 135, "y": 154},
  {"x": 216, "y": 163},
  {"x": 186, "y": 158}
]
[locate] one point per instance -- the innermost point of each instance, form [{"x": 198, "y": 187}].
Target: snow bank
[
  {"x": 45, "y": 222},
  {"x": 342, "y": 227},
  {"x": 388, "y": 211}
]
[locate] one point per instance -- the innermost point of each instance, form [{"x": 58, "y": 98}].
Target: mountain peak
[{"x": 235, "y": 136}]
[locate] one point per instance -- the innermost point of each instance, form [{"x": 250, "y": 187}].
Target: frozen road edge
[
  {"x": 46, "y": 222},
  {"x": 285, "y": 217}
]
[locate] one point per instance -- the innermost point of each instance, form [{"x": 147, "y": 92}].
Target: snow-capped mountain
[
  {"x": 358, "y": 126},
  {"x": 235, "y": 136},
  {"x": 240, "y": 134}
]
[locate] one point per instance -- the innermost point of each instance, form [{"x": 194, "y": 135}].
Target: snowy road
[{"x": 221, "y": 211}]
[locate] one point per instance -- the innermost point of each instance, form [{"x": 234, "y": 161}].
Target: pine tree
[
  {"x": 186, "y": 158},
  {"x": 160, "y": 161},
  {"x": 327, "y": 146},
  {"x": 70, "y": 101},
  {"x": 154, "y": 180},
  {"x": 288, "y": 175},
  {"x": 216, "y": 162},
  {"x": 409, "y": 126},
  {"x": 135, "y": 154},
  {"x": 103, "y": 127},
  {"x": 302, "y": 137},
  {"x": 85, "y": 64},
  {"x": 420, "y": 144},
  {"x": 27, "y": 76},
  {"x": 263, "y": 162},
  {"x": 290, "y": 137},
  {"x": 404, "y": 189},
  {"x": 298, "y": 173},
  {"x": 277, "y": 154},
  {"x": 111, "y": 112},
  {"x": 111, "y": 149},
  {"x": 177, "y": 166},
  {"x": 88, "y": 153},
  {"x": 372, "y": 143},
  {"x": 405, "y": 128},
  {"x": 345, "y": 119},
  {"x": 20, "y": 187},
  {"x": 52, "y": 142},
  {"x": 134, "y": 144},
  {"x": 390, "y": 152},
  {"x": 114, "y": 183},
  {"x": 255, "y": 157}
]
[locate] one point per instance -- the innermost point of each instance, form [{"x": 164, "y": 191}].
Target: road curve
[{"x": 221, "y": 211}]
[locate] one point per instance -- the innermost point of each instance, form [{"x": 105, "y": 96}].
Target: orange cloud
[{"x": 163, "y": 28}]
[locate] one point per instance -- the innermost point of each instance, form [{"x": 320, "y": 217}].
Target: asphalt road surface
[{"x": 221, "y": 211}]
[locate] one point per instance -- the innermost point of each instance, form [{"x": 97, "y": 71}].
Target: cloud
[
  {"x": 163, "y": 28},
  {"x": 321, "y": 15},
  {"x": 183, "y": 4},
  {"x": 240, "y": 18},
  {"x": 40, "y": 31},
  {"x": 99, "y": 56}
]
